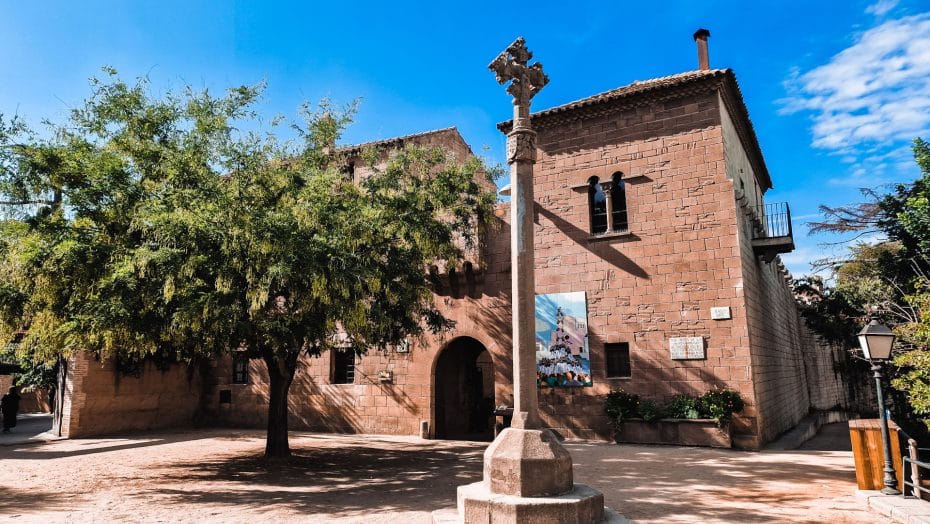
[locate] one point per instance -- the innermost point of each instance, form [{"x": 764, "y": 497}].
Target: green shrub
[
  {"x": 720, "y": 404},
  {"x": 682, "y": 406},
  {"x": 620, "y": 405},
  {"x": 649, "y": 411}
]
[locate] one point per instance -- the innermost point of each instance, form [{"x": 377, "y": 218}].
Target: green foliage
[
  {"x": 649, "y": 410},
  {"x": 868, "y": 282},
  {"x": 720, "y": 404},
  {"x": 41, "y": 375},
  {"x": 717, "y": 404},
  {"x": 906, "y": 211},
  {"x": 32, "y": 374},
  {"x": 913, "y": 374},
  {"x": 682, "y": 406},
  {"x": 620, "y": 405},
  {"x": 154, "y": 227}
]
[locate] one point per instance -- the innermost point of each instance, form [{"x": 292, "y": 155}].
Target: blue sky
[{"x": 836, "y": 90}]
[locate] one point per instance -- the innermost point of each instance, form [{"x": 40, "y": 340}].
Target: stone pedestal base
[
  {"x": 528, "y": 480},
  {"x": 582, "y": 505},
  {"x": 527, "y": 463}
]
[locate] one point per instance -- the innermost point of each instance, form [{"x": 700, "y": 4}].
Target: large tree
[{"x": 156, "y": 226}]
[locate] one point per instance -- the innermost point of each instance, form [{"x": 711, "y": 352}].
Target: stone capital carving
[{"x": 521, "y": 146}]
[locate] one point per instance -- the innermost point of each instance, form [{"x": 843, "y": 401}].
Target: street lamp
[{"x": 876, "y": 341}]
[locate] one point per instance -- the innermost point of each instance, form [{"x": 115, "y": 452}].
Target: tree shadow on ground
[
  {"x": 54, "y": 449},
  {"x": 352, "y": 479},
  {"x": 22, "y": 502},
  {"x": 658, "y": 483}
]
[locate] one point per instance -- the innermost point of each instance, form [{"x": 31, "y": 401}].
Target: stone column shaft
[{"x": 523, "y": 282}]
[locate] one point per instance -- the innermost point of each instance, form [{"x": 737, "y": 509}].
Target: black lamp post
[{"x": 876, "y": 341}]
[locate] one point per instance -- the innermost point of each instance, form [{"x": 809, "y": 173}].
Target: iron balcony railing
[{"x": 776, "y": 220}]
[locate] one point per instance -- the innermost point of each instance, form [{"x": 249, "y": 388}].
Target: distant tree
[
  {"x": 154, "y": 226},
  {"x": 907, "y": 210},
  {"x": 902, "y": 215},
  {"x": 888, "y": 280}
]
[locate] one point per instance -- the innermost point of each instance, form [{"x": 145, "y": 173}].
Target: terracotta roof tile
[
  {"x": 637, "y": 87},
  {"x": 394, "y": 140}
]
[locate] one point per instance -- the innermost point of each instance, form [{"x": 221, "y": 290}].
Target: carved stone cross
[{"x": 525, "y": 80}]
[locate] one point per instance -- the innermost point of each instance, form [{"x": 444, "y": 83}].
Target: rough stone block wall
[
  {"x": 100, "y": 401},
  {"x": 825, "y": 366},
  {"x": 793, "y": 371},
  {"x": 680, "y": 258},
  {"x": 778, "y": 368}
]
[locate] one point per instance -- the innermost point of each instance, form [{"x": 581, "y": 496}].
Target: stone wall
[
  {"x": 34, "y": 401},
  {"x": 688, "y": 249},
  {"x": 779, "y": 373},
  {"x": 792, "y": 372},
  {"x": 100, "y": 401},
  {"x": 680, "y": 257},
  {"x": 830, "y": 380}
]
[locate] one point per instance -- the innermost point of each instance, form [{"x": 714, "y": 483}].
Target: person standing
[{"x": 9, "y": 406}]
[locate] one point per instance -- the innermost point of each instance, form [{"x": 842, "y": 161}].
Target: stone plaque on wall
[{"x": 686, "y": 348}]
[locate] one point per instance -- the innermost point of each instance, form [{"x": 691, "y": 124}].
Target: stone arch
[{"x": 463, "y": 390}]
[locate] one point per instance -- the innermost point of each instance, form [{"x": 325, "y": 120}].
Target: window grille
[
  {"x": 343, "y": 366},
  {"x": 617, "y": 357},
  {"x": 240, "y": 368}
]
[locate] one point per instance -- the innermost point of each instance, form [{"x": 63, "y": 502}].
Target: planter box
[{"x": 673, "y": 431}]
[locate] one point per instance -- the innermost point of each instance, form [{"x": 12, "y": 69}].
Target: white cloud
[
  {"x": 881, "y": 7},
  {"x": 874, "y": 93},
  {"x": 878, "y": 167}
]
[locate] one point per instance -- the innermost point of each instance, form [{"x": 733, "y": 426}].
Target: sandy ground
[{"x": 217, "y": 476}]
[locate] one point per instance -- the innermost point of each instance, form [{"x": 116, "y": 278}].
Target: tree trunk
[{"x": 280, "y": 374}]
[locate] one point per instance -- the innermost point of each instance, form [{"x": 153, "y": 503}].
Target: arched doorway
[{"x": 464, "y": 391}]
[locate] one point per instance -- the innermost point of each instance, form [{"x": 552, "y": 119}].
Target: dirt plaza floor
[{"x": 218, "y": 476}]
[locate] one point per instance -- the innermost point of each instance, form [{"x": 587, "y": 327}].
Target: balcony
[{"x": 772, "y": 233}]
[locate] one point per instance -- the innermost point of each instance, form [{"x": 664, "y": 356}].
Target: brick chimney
[{"x": 700, "y": 36}]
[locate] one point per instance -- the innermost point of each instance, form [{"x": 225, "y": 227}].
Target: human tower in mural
[{"x": 562, "y": 355}]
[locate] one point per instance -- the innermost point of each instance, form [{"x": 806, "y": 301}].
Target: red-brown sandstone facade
[{"x": 694, "y": 178}]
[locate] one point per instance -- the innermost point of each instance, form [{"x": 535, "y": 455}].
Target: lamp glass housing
[{"x": 876, "y": 341}]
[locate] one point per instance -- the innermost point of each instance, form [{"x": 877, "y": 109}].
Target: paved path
[
  {"x": 216, "y": 476},
  {"x": 30, "y": 427},
  {"x": 831, "y": 437}
]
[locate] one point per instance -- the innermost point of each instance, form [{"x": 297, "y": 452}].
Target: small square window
[
  {"x": 618, "y": 360},
  {"x": 240, "y": 368},
  {"x": 343, "y": 366}
]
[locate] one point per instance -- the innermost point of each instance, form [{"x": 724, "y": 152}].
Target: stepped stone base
[
  {"x": 528, "y": 480},
  {"x": 450, "y": 516},
  {"x": 476, "y": 503}
]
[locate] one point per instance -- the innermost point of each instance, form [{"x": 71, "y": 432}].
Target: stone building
[{"x": 650, "y": 201}]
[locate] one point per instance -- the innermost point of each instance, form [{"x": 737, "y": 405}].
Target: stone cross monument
[
  {"x": 527, "y": 472},
  {"x": 525, "y": 81}
]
